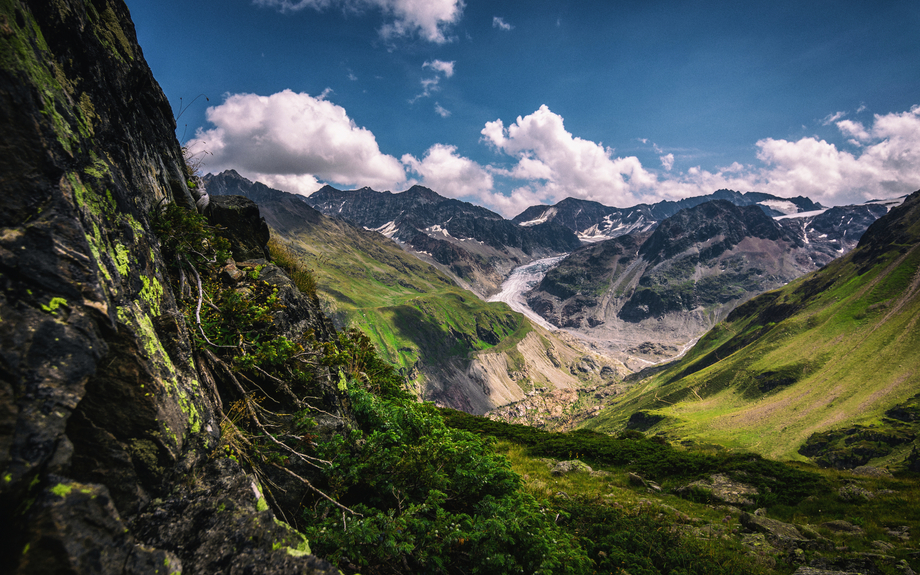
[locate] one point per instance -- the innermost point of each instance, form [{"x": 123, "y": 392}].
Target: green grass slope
[
  {"x": 833, "y": 356},
  {"x": 407, "y": 307},
  {"x": 415, "y": 315}
]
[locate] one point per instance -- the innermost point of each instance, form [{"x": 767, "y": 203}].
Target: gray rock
[
  {"x": 722, "y": 489},
  {"x": 854, "y": 493},
  {"x": 572, "y": 466},
  {"x": 784, "y": 535},
  {"x": 245, "y": 228},
  {"x": 841, "y": 526}
]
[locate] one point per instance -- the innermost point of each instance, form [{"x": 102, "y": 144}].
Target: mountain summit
[{"x": 476, "y": 246}]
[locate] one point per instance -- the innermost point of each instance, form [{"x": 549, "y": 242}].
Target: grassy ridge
[
  {"x": 410, "y": 310},
  {"x": 836, "y": 348}
]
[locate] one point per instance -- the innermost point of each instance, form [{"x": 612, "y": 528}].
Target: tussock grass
[{"x": 295, "y": 266}]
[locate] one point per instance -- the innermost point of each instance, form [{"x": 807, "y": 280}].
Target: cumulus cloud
[
  {"x": 560, "y": 164},
  {"x": 853, "y": 129},
  {"x": 294, "y": 140},
  {"x": 444, "y": 170},
  {"x": 441, "y": 111},
  {"x": 430, "y": 19},
  {"x": 499, "y": 22},
  {"x": 551, "y": 164}
]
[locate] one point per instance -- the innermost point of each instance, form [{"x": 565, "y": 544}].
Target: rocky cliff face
[{"x": 108, "y": 411}]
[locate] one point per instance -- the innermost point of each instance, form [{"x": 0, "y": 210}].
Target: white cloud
[
  {"x": 430, "y": 85},
  {"x": 830, "y": 119},
  {"x": 446, "y": 68},
  {"x": 560, "y": 164},
  {"x": 430, "y": 19},
  {"x": 295, "y": 139},
  {"x": 445, "y": 171},
  {"x": 854, "y": 129},
  {"x": 441, "y": 110},
  {"x": 499, "y": 22},
  {"x": 303, "y": 184},
  {"x": 667, "y": 161}
]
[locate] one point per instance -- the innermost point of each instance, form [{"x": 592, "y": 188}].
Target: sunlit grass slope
[
  {"x": 834, "y": 349},
  {"x": 409, "y": 309}
]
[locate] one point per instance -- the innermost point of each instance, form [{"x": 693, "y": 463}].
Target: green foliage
[
  {"x": 777, "y": 482},
  {"x": 640, "y": 543},
  {"x": 186, "y": 236},
  {"x": 356, "y": 357},
  {"x": 295, "y": 267},
  {"x": 432, "y": 499}
]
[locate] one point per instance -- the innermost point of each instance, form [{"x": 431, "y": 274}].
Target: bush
[{"x": 432, "y": 499}]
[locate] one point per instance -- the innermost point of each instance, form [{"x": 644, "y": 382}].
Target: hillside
[
  {"x": 822, "y": 368},
  {"x": 455, "y": 349},
  {"x": 474, "y": 245}
]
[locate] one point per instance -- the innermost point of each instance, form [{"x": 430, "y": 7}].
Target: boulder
[
  {"x": 721, "y": 489},
  {"x": 782, "y": 535},
  {"x": 841, "y": 526},
  {"x": 244, "y": 226},
  {"x": 572, "y": 466}
]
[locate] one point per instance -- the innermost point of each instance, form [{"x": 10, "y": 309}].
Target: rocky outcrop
[
  {"x": 720, "y": 489},
  {"x": 108, "y": 411}
]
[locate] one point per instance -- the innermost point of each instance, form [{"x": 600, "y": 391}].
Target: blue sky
[{"x": 509, "y": 104}]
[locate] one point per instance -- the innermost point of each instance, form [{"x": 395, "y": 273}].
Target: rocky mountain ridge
[
  {"x": 110, "y": 413},
  {"x": 649, "y": 294},
  {"x": 593, "y": 221},
  {"x": 473, "y": 244}
]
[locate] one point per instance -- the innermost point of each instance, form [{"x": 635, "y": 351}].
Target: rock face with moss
[{"x": 106, "y": 407}]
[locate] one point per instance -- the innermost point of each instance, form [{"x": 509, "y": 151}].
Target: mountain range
[
  {"x": 593, "y": 221},
  {"x": 475, "y": 245},
  {"x": 823, "y": 368},
  {"x": 454, "y": 349},
  {"x": 643, "y": 307},
  {"x": 648, "y": 294}
]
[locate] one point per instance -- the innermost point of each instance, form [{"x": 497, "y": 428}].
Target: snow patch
[
  {"x": 388, "y": 229},
  {"x": 437, "y": 229},
  {"x": 544, "y": 217},
  {"x": 801, "y": 214},
  {"x": 782, "y": 206}
]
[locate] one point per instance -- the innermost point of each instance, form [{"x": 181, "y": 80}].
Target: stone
[
  {"x": 841, "y": 526},
  {"x": 869, "y": 471},
  {"x": 244, "y": 226},
  {"x": 784, "y": 535},
  {"x": 721, "y": 489},
  {"x": 854, "y": 493},
  {"x": 571, "y": 466}
]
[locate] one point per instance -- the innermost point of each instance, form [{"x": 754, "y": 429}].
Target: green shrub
[{"x": 432, "y": 499}]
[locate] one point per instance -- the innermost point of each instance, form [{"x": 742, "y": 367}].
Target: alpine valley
[{"x": 200, "y": 374}]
